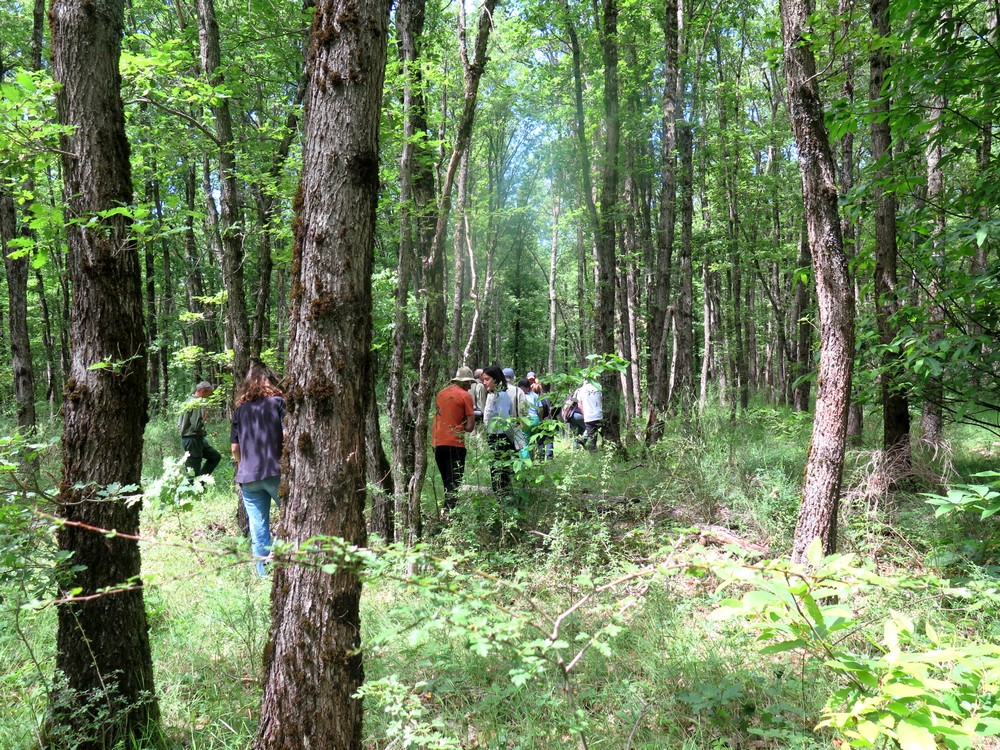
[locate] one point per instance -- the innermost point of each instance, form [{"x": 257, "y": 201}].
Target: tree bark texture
[
  {"x": 606, "y": 244},
  {"x": 659, "y": 385},
  {"x": 895, "y": 402},
  {"x": 102, "y": 642},
  {"x": 824, "y": 468},
  {"x": 17, "y": 317},
  {"x": 313, "y": 664},
  {"x": 237, "y": 322},
  {"x": 682, "y": 368}
]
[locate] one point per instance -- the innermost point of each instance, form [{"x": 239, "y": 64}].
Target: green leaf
[
  {"x": 777, "y": 648},
  {"x": 913, "y": 737}
]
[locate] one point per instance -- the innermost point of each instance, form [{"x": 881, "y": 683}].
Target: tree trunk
[
  {"x": 313, "y": 663},
  {"x": 237, "y": 323},
  {"x": 803, "y": 339},
  {"x": 682, "y": 369},
  {"x": 932, "y": 412},
  {"x": 824, "y": 467},
  {"x": 103, "y": 642},
  {"x": 458, "y": 244},
  {"x": 17, "y": 317},
  {"x": 856, "y": 415},
  {"x": 432, "y": 315},
  {"x": 895, "y": 402},
  {"x": 659, "y": 384}
]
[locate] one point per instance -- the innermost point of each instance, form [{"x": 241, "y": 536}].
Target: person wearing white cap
[{"x": 453, "y": 417}]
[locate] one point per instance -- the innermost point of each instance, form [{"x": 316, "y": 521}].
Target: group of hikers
[{"x": 512, "y": 412}]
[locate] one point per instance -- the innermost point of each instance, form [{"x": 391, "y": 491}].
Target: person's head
[
  {"x": 463, "y": 378},
  {"x": 493, "y": 379},
  {"x": 204, "y": 389},
  {"x": 478, "y": 375},
  {"x": 508, "y": 374},
  {"x": 259, "y": 383},
  {"x": 531, "y": 376},
  {"x": 524, "y": 384}
]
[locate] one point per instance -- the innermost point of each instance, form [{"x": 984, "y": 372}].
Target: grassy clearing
[{"x": 477, "y": 670}]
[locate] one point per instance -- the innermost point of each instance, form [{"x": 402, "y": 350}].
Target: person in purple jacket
[{"x": 256, "y": 441}]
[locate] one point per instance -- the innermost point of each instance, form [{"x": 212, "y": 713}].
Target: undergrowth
[{"x": 646, "y": 540}]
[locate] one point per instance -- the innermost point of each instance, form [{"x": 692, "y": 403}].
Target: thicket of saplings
[{"x": 616, "y": 601}]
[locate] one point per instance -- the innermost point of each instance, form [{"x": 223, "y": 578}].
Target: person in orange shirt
[{"x": 453, "y": 417}]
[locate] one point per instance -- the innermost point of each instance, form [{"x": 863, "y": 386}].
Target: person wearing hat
[
  {"x": 202, "y": 458},
  {"x": 453, "y": 417}
]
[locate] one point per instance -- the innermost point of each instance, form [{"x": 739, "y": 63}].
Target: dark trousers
[
  {"x": 501, "y": 472},
  {"x": 450, "y": 461},
  {"x": 590, "y": 432},
  {"x": 202, "y": 457}
]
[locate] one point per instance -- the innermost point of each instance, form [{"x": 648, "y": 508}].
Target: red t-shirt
[{"x": 454, "y": 404}]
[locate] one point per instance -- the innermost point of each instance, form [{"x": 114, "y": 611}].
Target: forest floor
[{"x": 618, "y": 601}]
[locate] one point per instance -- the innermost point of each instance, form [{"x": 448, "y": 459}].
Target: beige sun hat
[{"x": 463, "y": 375}]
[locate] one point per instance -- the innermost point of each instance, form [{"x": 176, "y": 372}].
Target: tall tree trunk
[
  {"x": 931, "y": 418},
  {"x": 855, "y": 415},
  {"x": 459, "y": 242},
  {"x": 103, "y": 641},
  {"x": 606, "y": 244},
  {"x": 682, "y": 369},
  {"x": 824, "y": 467},
  {"x": 237, "y": 323},
  {"x": 416, "y": 178},
  {"x": 313, "y": 663},
  {"x": 659, "y": 316},
  {"x": 194, "y": 286},
  {"x": 432, "y": 315},
  {"x": 17, "y": 317},
  {"x": 553, "y": 265},
  {"x": 152, "y": 329},
  {"x": 167, "y": 305},
  {"x": 895, "y": 402},
  {"x": 804, "y": 329},
  {"x": 378, "y": 470},
  {"x": 48, "y": 344}
]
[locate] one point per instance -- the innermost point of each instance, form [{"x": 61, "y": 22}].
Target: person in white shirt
[
  {"x": 496, "y": 416},
  {"x": 591, "y": 402}
]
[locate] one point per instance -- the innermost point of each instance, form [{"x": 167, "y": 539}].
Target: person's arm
[{"x": 234, "y": 448}]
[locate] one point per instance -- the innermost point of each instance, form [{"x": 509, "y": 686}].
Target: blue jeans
[{"x": 257, "y": 497}]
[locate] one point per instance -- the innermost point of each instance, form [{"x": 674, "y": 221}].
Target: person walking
[
  {"x": 591, "y": 402},
  {"x": 454, "y": 415},
  {"x": 256, "y": 441},
  {"x": 202, "y": 458},
  {"x": 497, "y": 416}
]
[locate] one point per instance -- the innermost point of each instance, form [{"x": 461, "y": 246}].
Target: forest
[{"x": 767, "y": 233}]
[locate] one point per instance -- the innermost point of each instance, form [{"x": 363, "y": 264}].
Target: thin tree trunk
[
  {"x": 237, "y": 324},
  {"x": 931, "y": 418},
  {"x": 824, "y": 467},
  {"x": 432, "y": 316},
  {"x": 659, "y": 384},
  {"x": 803, "y": 339},
  {"x": 459, "y": 243},
  {"x": 17, "y": 317},
  {"x": 553, "y": 265},
  {"x": 895, "y": 402},
  {"x": 103, "y": 641},
  {"x": 682, "y": 369}
]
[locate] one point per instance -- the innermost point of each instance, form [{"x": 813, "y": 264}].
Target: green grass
[{"x": 670, "y": 676}]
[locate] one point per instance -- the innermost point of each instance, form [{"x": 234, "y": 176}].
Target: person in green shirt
[{"x": 202, "y": 458}]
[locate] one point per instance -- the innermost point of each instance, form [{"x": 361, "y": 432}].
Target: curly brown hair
[{"x": 258, "y": 384}]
